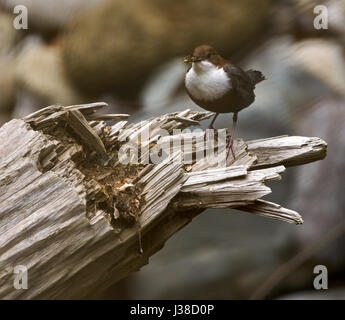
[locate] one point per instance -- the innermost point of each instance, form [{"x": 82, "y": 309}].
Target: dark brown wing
[
  {"x": 255, "y": 76},
  {"x": 242, "y": 84}
]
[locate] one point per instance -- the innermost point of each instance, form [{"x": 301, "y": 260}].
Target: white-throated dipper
[{"x": 217, "y": 85}]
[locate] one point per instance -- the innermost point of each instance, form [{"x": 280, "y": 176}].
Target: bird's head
[{"x": 204, "y": 53}]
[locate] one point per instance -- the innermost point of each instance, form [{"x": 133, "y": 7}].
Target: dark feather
[
  {"x": 242, "y": 84},
  {"x": 255, "y": 76}
]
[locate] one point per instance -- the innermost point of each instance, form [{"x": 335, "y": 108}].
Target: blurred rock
[
  {"x": 8, "y": 38},
  {"x": 8, "y": 34},
  {"x": 297, "y": 18},
  {"x": 318, "y": 195},
  {"x": 324, "y": 59},
  {"x": 162, "y": 85},
  {"x": 7, "y": 87},
  {"x": 49, "y": 15},
  {"x": 26, "y": 103},
  {"x": 336, "y": 15},
  {"x": 222, "y": 254},
  {"x": 319, "y": 191},
  {"x": 39, "y": 71},
  {"x": 290, "y": 88},
  {"x": 115, "y": 47}
]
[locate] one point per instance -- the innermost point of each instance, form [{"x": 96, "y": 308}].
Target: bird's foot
[{"x": 230, "y": 146}]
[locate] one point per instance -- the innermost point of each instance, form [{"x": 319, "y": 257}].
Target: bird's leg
[
  {"x": 213, "y": 120},
  {"x": 231, "y": 142},
  {"x": 211, "y": 124}
]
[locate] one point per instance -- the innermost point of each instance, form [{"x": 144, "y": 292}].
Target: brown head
[{"x": 205, "y": 52}]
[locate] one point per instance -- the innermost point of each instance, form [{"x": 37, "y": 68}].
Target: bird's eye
[{"x": 209, "y": 55}]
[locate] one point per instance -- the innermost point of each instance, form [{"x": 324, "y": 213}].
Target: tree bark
[{"x": 76, "y": 217}]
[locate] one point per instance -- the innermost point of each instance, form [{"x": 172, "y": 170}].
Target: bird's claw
[{"x": 230, "y": 146}]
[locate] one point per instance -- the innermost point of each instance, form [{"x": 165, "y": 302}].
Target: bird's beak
[{"x": 190, "y": 59}]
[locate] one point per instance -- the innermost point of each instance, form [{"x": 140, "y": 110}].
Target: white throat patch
[{"x": 205, "y": 81}]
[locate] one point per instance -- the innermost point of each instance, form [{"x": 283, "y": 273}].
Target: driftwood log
[{"x": 80, "y": 219}]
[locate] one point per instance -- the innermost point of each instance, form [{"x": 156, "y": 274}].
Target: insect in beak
[{"x": 190, "y": 59}]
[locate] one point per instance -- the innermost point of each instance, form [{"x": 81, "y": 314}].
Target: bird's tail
[{"x": 255, "y": 76}]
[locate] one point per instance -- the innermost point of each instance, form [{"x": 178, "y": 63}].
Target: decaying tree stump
[{"x": 72, "y": 213}]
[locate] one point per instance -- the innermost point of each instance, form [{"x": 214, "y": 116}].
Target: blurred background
[{"x": 129, "y": 54}]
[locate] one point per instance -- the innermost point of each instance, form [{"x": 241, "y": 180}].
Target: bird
[{"x": 217, "y": 85}]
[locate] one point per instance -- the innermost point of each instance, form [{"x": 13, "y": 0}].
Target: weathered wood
[
  {"x": 74, "y": 222},
  {"x": 228, "y": 192},
  {"x": 289, "y": 151},
  {"x": 86, "y": 134},
  {"x": 272, "y": 210},
  {"x": 114, "y": 117}
]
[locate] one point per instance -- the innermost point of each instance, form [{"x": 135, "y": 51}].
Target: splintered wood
[{"x": 73, "y": 194}]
